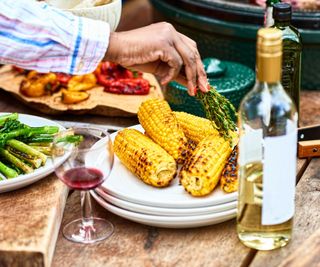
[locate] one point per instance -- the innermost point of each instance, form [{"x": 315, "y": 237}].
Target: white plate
[
  {"x": 26, "y": 179},
  {"x": 125, "y": 185},
  {"x": 165, "y": 211},
  {"x": 168, "y": 221}
]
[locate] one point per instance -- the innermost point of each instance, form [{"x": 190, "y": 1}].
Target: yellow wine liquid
[{"x": 250, "y": 230}]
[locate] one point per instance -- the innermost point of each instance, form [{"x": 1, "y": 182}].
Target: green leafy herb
[{"x": 219, "y": 111}]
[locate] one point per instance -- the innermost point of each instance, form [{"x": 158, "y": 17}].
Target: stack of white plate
[{"x": 172, "y": 207}]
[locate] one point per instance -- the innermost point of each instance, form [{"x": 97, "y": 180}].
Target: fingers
[
  {"x": 189, "y": 60},
  {"x": 201, "y": 77},
  {"x": 159, "y": 49},
  {"x": 175, "y": 62}
]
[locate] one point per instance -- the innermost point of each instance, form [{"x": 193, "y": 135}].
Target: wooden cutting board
[
  {"x": 30, "y": 219},
  {"x": 99, "y": 102}
]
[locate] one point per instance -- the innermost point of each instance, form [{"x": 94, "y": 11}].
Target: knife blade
[
  {"x": 309, "y": 133},
  {"x": 70, "y": 124}
]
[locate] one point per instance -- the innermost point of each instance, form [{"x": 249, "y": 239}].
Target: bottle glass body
[
  {"x": 291, "y": 62},
  {"x": 267, "y": 120}
]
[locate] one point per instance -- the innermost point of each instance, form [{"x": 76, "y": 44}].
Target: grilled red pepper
[
  {"x": 63, "y": 78},
  {"x": 118, "y": 80},
  {"x": 116, "y": 71},
  {"x": 136, "y": 86},
  {"x": 20, "y": 70}
]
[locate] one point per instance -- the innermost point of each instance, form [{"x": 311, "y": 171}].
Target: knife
[
  {"x": 309, "y": 141},
  {"x": 309, "y": 133},
  {"x": 70, "y": 124}
]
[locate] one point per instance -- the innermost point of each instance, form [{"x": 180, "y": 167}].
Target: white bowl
[{"x": 110, "y": 13}]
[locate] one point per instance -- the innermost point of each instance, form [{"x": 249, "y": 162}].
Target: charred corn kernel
[
  {"x": 149, "y": 161},
  {"x": 69, "y": 97},
  {"x": 195, "y": 128},
  {"x": 229, "y": 177},
  {"x": 201, "y": 173},
  {"x": 159, "y": 122}
]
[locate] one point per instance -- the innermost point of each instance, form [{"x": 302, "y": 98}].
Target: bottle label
[
  {"x": 250, "y": 142},
  {"x": 279, "y": 178}
]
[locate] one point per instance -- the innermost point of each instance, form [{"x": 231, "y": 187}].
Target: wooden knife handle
[{"x": 309, "y": 149}]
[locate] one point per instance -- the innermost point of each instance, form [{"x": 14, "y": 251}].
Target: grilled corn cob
[
  {"x": 195, "y": 128},
  {"x": 159, "y": 122},
  {"x": 229, "y": 177},
  {"x": 150, "y": 162},
  {"x": 202, "y": 171}
]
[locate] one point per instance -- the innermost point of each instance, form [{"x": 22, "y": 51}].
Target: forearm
[{"x": 35, "y": 36}]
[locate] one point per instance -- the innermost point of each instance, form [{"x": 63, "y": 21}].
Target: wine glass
[{"x": 88, "y": 165}]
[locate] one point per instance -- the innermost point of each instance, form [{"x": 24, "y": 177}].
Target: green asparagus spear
[
  {"x": 4, "y": 118},
  {"x": 12, "y": 125},
  {"x": 15, "y": 161},
  {"x": 22, "y": 147},
  {"x": 47, "y": 150},
  {"x": 4, "y": 137},
  {"x": 43, "y": 139},
  {"x": 7, "y": 172},
  {"x": 74, "y": 139},
  {"x": 32, "y": 160}
]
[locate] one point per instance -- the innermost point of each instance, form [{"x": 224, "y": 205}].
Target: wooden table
[{"x": 134, "y": 244}]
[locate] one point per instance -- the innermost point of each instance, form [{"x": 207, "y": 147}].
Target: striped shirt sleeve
[{"x": 36, "y": 36}]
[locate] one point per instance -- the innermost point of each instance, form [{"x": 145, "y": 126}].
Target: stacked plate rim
[{"x": 172, "y": 207}]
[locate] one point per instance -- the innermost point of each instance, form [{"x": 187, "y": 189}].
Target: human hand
[{"x": 161, "y": 50}]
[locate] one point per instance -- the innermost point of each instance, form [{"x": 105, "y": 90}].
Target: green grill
[
  {"x": 227, "y": 29},
  {"x": 232, "y": 80}
]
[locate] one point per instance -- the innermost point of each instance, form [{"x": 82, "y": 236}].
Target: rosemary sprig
[{"x": 219, "y": 111}]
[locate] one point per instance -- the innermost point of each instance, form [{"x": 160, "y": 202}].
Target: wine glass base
[{"x": 98, "y": 230}]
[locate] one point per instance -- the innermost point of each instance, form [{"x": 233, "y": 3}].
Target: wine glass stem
[{"x": 86, "y": 208}]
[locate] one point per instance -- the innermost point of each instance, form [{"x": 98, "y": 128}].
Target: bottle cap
[
  {"x": 269, "y": 55},
  {"x": 269, "y": 41},
  {"x": 282, "y": 12}
]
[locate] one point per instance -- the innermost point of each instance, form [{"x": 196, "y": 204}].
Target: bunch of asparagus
[{"x": 23, "y": 148}]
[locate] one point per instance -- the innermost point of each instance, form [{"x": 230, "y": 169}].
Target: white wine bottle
[{"x": 267, "y": 152}]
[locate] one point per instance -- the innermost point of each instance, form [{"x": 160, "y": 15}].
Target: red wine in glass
[
  {"x": 83, "y": 178},
  {"x": 88, "y": 165}
]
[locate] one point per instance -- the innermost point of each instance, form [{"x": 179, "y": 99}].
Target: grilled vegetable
[
  {"x": 137, "y": 86},
  {"x": 195, "y": 128},
  {"x": 229, "y": 177},
  {"x": 39, "y": 84},
  {"x": 73, "y": 97},
  {"x": 15, "y": 161},
  {"x": 82, "y": 82},
  {"x": 161, "y": 125},
  {"x": 150, "y": 162},
  {"x": 27, "y": 131},
  {"x": 7, "y": 171},
  {"x": 27, "y": 150},
  {"x": 33, "y": 161},
  {"x": 6, "y": 118},
  {"x": 119, "y": 80},
  {"x": 201, "y": 173},
  {"x": 63, "y": 78}
]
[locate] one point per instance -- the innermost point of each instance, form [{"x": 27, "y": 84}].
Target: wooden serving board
[
  {"x": 30, "y": 222},
  {"x": 99, "y": 102}
]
